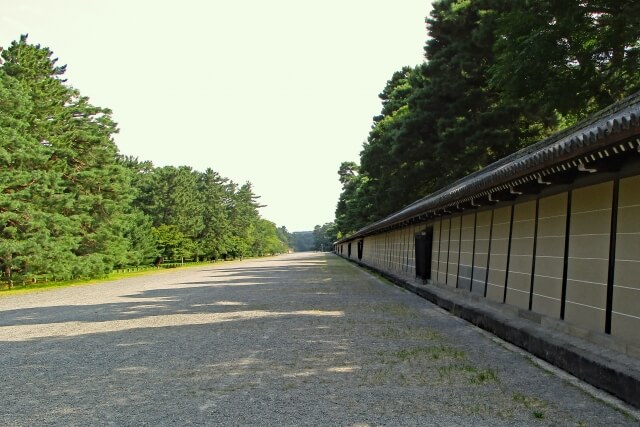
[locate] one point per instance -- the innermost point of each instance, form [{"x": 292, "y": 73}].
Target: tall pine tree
[{"x": 86, "y": 206}]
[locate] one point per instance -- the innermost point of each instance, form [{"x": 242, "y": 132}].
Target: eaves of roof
[{"x": 605, "y": 128}]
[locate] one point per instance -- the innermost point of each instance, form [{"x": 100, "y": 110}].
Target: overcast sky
[{"x": 275, "y": 92}]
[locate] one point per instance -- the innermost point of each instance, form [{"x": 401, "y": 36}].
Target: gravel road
[{"x": 301, "y": 339}]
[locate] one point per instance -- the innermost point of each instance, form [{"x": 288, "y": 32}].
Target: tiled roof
[{"x": 600, "y": 131}]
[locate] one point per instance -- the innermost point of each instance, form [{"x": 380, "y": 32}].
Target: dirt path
[{"x": 302, "y": 339}]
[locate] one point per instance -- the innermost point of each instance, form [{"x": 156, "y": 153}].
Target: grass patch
[
  {"x": 483, "y": 376},
  {"x": 445, "y": 352},
  {"x": 424, "y": 334},
  {"x": 411, "y": 353},
  {"x": 380, "y": 376},
  {"x": 475, "y": 375},
  {"x": 538, "y": 414},
  {"x": 533, "y": 403},
  {"x": 400, "y": 310},
  {"x": 447, "y": 371},
  {"x": 44, "y": 286},
  {"x": 434, "y": 353}
]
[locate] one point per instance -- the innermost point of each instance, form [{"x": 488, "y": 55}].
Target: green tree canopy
[
  {"x": 498, "y": 76},
  {"x": 72, "y": 206},
  {"x": 88, "y": 189}
]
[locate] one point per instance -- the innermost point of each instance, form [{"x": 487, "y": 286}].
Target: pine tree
[
  {"x": 86, "y": 206},
  {"x": 243, "y": 216},
  {"x": 215, "y": 234},
  {"x": 24, "y": 181},
  {"x": 565, "y": 60}
]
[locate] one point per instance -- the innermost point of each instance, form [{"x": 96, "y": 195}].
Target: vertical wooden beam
[
  {"x": 438, "y": 259},
  {"x": 567, "y": 235},
  {"x": 612, "y": 254},
  {"x": 459, "y": 252},
  {"x": 506, "y": 271},
  {"x": 486, "y": 272},
  {"x": 533, "y": 261},
  {"x": 446, "y": 273},
  {"x": 473, "y": 249}
]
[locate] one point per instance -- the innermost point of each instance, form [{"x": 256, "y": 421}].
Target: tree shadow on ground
[
  {"x": 270, "y": 345},
  {"x": 224, "y": 290},
  {"x": 178, "y": 351}
]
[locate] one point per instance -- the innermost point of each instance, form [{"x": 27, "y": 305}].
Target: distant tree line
[
  {"x": 303, "y": 241},
  {"x": 320, "y": 239},
  {"x": 499, "y": 75},
  {"x": 324, "y": 236},
  {"x": 71, "y": 206}
]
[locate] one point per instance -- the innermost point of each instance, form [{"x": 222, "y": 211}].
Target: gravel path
[{"x": 302, "y": 339}]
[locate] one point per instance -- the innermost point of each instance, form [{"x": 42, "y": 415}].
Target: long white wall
[{"x": 554, "y": 255}]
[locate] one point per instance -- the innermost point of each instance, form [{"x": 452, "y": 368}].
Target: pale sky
[{"x": 275, "y": 92}]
